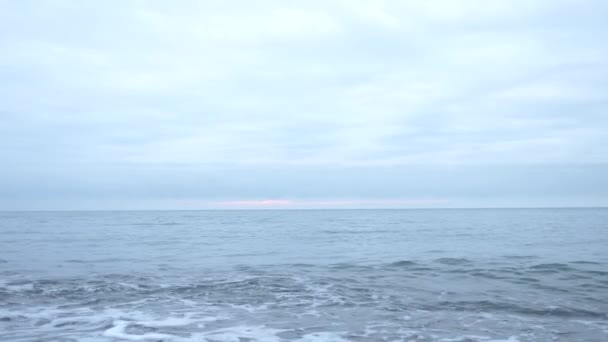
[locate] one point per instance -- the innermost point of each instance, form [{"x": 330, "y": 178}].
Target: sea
[{"x": 444, "y": 275}]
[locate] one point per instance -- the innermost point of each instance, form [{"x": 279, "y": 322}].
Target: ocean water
[{"x": 310, "y": 275}]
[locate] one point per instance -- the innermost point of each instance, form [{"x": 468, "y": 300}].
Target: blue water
[{"x": 310, "y": 275}]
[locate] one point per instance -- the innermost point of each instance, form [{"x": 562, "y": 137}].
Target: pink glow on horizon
[
  {"x": 347, "y": 203},
  {"x": 255, "y": 203}
]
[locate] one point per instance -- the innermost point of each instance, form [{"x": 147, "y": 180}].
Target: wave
[
  {"x": 496, "y": 306},
  {"x": 551, "y": 267},
  {"x": 453, "y": 261},
  {"x": 404, "y": 263}
]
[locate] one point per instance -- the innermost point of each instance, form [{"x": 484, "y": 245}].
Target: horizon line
[{"x": 303, "y": 209}]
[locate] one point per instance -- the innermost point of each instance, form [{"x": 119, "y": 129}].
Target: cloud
[{"x": 124, "y": 94}]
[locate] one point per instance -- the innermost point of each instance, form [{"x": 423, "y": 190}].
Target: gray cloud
[{"x": 133, "y": 104}]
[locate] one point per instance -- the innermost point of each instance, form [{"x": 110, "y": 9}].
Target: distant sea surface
[{"x": 311, "y": 275}]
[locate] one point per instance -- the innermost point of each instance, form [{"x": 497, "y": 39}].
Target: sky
[{"x": 125, "y": 104}]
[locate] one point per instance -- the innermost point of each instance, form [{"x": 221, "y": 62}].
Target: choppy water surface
[{"x": 366, "y": 275}]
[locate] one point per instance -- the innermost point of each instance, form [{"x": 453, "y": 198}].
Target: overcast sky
[{"x": 303, "y": 104}]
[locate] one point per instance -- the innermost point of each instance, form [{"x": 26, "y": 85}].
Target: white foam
[
  {"x": 119, "y": 331},
  {"x": 465, "y": 338},
  {"x": 124, "y": 319},
  {"x": 236, "y": 334},
  {"x": 477, "y": 338},
  {"x": 188, "y": 302},
  {"x": 167, "y": 322},
  {"x": 510, "y": 339},
  {"x": 322, "y": 337},
  {"x": 249, "y": 308}
]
